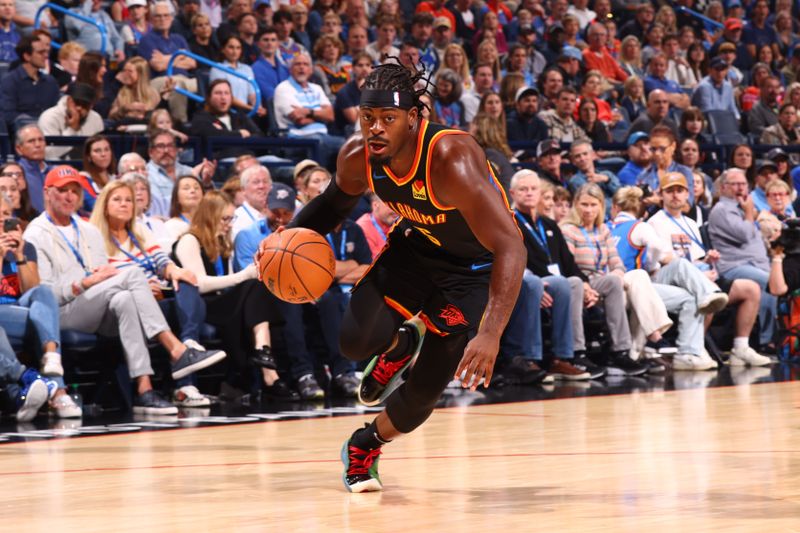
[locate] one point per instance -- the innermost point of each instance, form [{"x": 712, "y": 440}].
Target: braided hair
[{"x": 396, "y": 77}]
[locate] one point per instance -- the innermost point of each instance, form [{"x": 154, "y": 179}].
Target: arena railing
[
  {"x": 710, "y": 22},
  {"x": 68, "y": 13},
  {"x": 214, "y": 64}
]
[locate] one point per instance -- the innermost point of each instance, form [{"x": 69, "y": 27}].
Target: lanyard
[
  {"x": 185, "y": 219},
  {"x": 218, "y": 266},
  {"x": 686, "y": 230},
  {"x": 341, "y": 256},
  {"x": 248, "y": 213},
  {"x": 147, "y": 262},
  {"x": 72, "y": 247},
  {"x": 378, "y": 227},
  {"x": 598, "y": 256},
  {"x": 539, "y": 236}
]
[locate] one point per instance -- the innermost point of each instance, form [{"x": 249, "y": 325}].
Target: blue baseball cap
[
  {"x": 637, "y": 136},
  {"x": 571, "y": 52}
]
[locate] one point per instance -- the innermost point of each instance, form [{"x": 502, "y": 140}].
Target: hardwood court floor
[{"x": 724, "y": 460}]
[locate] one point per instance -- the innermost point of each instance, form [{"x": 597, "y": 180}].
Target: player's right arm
[{"x": 329, "y": 209}]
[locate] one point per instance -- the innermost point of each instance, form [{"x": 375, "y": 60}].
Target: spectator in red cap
[
  {"x": 732, "y": 33},
  {"x": 95, "y": 297}
]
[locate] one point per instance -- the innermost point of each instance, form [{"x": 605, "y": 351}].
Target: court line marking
[
  {"x": 439, "y": 410},
  {"x": 405, "y": 458}
]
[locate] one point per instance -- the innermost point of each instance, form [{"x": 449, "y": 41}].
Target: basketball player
[{"x": 455, "y": 258}]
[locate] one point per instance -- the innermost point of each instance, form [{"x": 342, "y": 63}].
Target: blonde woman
[
  {"x": 595, "y": 253},
  {"x": 237, "y": 303},
  {"x": 136, "y": 98},
  {"x": 487, "y": 53},
  {"x": 455, "y": 58},
  {"x": 630, "y": 56},
  {"x": 131, "y": 245}
]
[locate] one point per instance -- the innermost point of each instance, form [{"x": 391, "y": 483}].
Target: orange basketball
[{"x": 297, "y": 265}]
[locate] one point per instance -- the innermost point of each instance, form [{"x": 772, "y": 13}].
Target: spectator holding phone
[{"x": 29, "y": 308}]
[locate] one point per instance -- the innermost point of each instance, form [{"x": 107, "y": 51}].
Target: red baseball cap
[
  {"x": 733, "y": 24},
  {"x": 62, "y": 175}
]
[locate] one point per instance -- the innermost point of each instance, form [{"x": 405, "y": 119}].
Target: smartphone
[{"x": 11, "y": 224}]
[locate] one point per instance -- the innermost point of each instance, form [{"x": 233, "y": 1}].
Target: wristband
[{"x": 24, "y": 261}]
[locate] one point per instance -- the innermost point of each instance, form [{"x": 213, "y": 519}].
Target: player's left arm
[{"x": 460, "y": 177}]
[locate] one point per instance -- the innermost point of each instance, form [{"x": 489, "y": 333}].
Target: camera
[
  {"x": 647, "y": 192},
  {"x": 789, "y": 239}
]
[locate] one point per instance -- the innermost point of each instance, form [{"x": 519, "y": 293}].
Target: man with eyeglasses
[
  {"x": 30, "y": 156},
  {"x": 157, "y": 46},
  {"x": 131, "y": 162},
  {"x": 26, "y": 91},
  {"x": 735, "y": 234},
  {"x": 164, "y": 168},
  {"x": 270, "y": 69},
  {"x": 662, "y": 148},
  {"x": 767, "y": 172}
]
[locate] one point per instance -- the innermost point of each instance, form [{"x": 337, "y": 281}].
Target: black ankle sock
[
  {"x": 368, "y": 438},
  {"x": 405, "y": 341}
]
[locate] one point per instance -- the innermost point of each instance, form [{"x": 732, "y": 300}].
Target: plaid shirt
[{"x": 563, "y": 130}]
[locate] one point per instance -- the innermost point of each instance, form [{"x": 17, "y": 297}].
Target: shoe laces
[
  {"x": 361, "y": 460},
  {"x": 384, "y": 370}
]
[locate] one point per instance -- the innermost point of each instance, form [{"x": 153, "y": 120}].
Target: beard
[{"x": 376, "y": 161}]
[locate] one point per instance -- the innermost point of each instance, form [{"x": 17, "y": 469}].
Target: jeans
[
  {"x": 188, "y": 309},
  {"x": 37, "y": 309},
  {"x": 523, "y": 335},
  {"x": 767, "y": 313},
  {"x": 10, "y": 367}
]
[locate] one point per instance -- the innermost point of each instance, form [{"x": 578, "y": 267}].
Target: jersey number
[{"x": 428, "y": 234}]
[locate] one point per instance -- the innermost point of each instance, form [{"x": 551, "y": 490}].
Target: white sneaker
[
  {"x": 713, "y": 303},
  {"x": 51, "y": 364},
  {"x": 747, "y": 356},
  {"x": 65, "y": 407},
  {"x": 708, "y": 360},
  {"x": 689, "y": 361},
  {"x": 191, "y": 343},
  {"x": 189, "y": 396}
]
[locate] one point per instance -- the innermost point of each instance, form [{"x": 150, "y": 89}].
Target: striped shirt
[
  {"x": 595, "y": 256},
  {"x": 154, "y": 263}
]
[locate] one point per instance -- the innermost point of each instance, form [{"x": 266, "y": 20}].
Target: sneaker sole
[
  {"x": 37, "y": 396},
  {"x": 199, "y": 365},
  {"x": 398, "y": 379},
  {"x": 158, "y": 411},
  {"x": 370, "y": 485},
  {"x": 200, "y": 402},
  {"x": 616, "y": 372},
  {"x": 573, "y": 377},
  {"x": 52, "y": 370},
  {"x": 716, "y": 304},
  {"x": 736, "y": 361}
]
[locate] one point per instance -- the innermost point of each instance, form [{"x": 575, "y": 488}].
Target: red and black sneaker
[
  {"x": 382, "y": 376},
  {"x": 360, "y": 468}
]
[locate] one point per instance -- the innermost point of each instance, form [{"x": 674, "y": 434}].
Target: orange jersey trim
[
  {"x": 405, "y": 313},
  {"x": 433, "y": 142},
  {"x": 430, "y": 326},
  {"x": 411, "y": 173}
]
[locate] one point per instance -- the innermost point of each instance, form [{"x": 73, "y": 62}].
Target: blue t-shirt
[
  {"x": 268, "y": 77},
  {"x": 668, "y": 86},
  {"x": 10, "y": 287},
  {"x": 246, "y": 243},
  {"x": 8, "y": 44},
  {"x": 629, "y": 173},
  {"x": 152, "y": 41}
]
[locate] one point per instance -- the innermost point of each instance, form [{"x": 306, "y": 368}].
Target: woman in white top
[
  {"x": 132, "y": 245},
  {"x": 237, "y": 303},
  {"x": 186, "y": 197}
]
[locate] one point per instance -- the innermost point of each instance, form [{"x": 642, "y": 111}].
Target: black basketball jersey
[{"x": 413, "y": 198}]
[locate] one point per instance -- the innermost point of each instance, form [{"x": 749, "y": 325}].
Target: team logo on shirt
[
  {"x": 418, "y": 190},
  {"x": 453, "y": 316}
]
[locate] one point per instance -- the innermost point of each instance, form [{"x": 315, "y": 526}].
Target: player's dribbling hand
[
  {"x": 261, "y": 247},
  {"x": 478, "y": 361}
]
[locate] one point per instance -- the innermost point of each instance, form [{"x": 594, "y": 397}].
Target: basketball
[{"x": 297, "y": 265}]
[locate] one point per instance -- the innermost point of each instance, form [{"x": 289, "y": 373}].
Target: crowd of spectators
[{"x": 650, "y": 150}]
